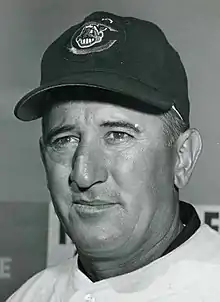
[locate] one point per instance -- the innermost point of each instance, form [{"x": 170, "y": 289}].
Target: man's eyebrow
[
  {"x": 121, "y": 124},
  {"x": 57, "y": 130},
  {"x": 111, "y": 124}
]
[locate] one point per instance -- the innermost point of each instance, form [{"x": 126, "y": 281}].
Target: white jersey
[{"x": 191, "y": 272}]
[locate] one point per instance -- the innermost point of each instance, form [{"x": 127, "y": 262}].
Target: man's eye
[
  {"x": 115, "y": 137},
  {"x": 63, "y": 143}
]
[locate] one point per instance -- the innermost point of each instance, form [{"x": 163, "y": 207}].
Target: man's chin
[{"x": 102, "y": 248}]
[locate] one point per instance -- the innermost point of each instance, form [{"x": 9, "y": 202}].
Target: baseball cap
[{"x": 124, "y": 55}]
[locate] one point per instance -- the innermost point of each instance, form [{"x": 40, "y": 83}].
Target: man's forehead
[{"x": 96, "y": 111}]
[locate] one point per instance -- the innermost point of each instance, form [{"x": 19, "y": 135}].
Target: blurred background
[{"x": 30, "y": 235}]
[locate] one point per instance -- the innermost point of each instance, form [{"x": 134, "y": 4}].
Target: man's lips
[
  {"x": 92, "y": 208},
  {"x": 93, "y": 203}
]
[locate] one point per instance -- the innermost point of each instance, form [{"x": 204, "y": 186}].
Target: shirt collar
[{"x": 191, "y": 222}]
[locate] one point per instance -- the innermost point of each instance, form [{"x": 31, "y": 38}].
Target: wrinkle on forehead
[{"x": 92, "y": 113}]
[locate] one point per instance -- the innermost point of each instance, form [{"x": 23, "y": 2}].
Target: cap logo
[
  {"x": 93, "y": 37},
  {"x": 90, "y": 35}
]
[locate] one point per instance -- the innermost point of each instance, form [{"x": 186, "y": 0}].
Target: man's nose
[{"x": 88, "y": 169}]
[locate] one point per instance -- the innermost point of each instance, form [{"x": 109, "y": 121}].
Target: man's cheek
[
  {"x": 129, "y": 181},
  {"x": 58, "y": 176},
  {"x": 52, "y": 158}
]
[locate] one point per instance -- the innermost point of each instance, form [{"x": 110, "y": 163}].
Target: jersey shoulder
[{"x": 43, "y": 285}]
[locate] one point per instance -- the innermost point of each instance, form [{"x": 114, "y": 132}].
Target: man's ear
[{"x": 188, "y": 149}]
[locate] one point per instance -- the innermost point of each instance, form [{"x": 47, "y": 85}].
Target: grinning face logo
[
  {"x": 90, "y": 35},
  {"x": 93, "y": 37}
]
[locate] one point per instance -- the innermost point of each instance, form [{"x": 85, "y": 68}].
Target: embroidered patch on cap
[{"x": 93, "y": 37}]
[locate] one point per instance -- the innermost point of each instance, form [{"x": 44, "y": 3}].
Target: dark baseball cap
[{"x": 124, "y": 55}]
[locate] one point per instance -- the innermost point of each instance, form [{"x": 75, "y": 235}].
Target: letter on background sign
[
  {"x": 209, "y": 215},
  {"x": 5, "y": 268}
]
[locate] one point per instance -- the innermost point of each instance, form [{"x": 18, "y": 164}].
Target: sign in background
[
  {"x": 23, "y": 243},
  {"x": 60, "y": 246}
]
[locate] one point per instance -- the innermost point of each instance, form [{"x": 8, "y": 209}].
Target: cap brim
[{"x": 30, "y": 107}]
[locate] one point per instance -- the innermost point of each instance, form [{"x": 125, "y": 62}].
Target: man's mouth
[
  {"x": 93, "y": 203},
  {"x": 93, "y": 207}
]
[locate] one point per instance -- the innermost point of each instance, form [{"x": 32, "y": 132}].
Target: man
[{"x": 117, "y": 146}]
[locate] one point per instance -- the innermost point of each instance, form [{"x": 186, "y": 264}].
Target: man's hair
[{"x": 173, "y": 126}]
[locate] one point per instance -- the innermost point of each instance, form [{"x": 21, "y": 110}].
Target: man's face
[{"x": 110, "y": 175}]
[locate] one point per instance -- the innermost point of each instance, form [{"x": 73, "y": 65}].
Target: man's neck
[{"x": 97, "y": 270}]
